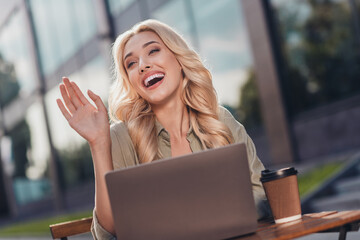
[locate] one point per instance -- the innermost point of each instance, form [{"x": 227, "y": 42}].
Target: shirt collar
[{"x": 160, "y": 128}]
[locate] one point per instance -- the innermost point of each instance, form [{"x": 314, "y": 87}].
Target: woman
[{"x": 162, "y": 104}]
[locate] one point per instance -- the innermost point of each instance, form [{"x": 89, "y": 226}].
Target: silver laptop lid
[{"x": 204, "y": 195}]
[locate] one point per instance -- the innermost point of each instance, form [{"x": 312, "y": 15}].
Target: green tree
[
  {"x": 9, "y": 87},
  {"x": 20, "y": 139},
  {"x": 20, "y": 134},
  {"x": 321, "y": 53},
  {"x": 248, "y": 111},
  {"x": 78, "y": 164},
  {"x": 331, "y": 51}
]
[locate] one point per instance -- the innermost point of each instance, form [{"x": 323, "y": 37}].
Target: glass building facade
[
  {"x": 314, "y": 55},
  {"x": 320, "y": 49},
  {"x": 68, "y": 26}
]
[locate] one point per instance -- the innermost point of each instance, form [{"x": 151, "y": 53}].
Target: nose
[
  {"x": 143, "y": 66},
  {"x": 143, "y": 69}
]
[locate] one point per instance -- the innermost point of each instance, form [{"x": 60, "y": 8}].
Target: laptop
[{"x": 203, "y": 195}]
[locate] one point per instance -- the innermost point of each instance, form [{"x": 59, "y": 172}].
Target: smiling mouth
[{"x": 153, "y": 79}]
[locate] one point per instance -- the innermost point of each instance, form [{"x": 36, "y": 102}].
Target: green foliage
[
  {"x": 76, "y": 165},
  {"x": 20, "y": 134},
  {"x": 321, "y": 52},
  {"x": 9, "y": 87},
  {"x": 331, "y": 50},
  {"x": 312, "y": 179},
  {"x": 321, "y": 58},
  {"x": 248, "y": 112},
  {"x": 39, "y": 227},
  {"x": 20, "y": 139}
]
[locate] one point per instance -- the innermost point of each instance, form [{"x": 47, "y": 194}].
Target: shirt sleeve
[
  {"x": 98, "y": 232},
  {"x": 123, "y": 155},
  {"x": 255, "y": 165}
]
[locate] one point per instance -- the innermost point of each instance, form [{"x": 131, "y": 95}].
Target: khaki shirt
[{"x": 124, "y": 155}]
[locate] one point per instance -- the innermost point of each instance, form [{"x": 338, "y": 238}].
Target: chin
[{"x": 161, "y": 97}]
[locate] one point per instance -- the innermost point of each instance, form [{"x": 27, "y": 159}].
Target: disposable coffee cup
[{"x": 282, "y": 191}]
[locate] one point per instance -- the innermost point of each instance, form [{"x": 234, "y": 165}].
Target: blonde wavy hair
[{"x": 198, "y": 94}]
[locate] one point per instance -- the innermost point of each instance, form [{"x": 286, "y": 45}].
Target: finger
[
  {"x": 81, "y": 96},
  {"x": 63, "y": 109},
  {"x": 97, "y": 100},
  {"x": 66, "y": 99},
  {"x": 72, "y": 94}
]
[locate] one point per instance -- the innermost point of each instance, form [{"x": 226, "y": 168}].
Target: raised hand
[
  {"x": 89, "y": 121},
  {"x": 92, "y": 124}
]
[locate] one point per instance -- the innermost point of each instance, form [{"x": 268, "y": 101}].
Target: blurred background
[{"x": 288, "y": 70}]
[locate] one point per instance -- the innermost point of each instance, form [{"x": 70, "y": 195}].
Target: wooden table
[
  {"x": 333, "y": 221},
  {"x": 341, "y": 222}
]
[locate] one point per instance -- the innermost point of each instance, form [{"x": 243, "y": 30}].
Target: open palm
[{"x": 89, "y": 121}]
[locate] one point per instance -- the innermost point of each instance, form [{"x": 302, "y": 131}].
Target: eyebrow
[{"x": 144, "y": 46}]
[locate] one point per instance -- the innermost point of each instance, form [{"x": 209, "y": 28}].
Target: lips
[{"x": 153, "y": 79}]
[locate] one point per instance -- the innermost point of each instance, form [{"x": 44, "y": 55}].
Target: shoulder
[
  {"x": 119, "y": 132},
  {"x": 237, "y": 129},
  {"x": 228, "y": 119},
  {"x": 224, "y": 114},
  {"x": 118, "y": 128}
]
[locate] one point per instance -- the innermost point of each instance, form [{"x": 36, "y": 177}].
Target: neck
[{"x": 174, "y": 117}]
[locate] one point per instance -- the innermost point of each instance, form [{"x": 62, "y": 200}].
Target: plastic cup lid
[{"x": 269, "y": 175}]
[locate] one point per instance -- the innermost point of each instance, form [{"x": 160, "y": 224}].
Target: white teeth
[{"x": 148, "y": 79}]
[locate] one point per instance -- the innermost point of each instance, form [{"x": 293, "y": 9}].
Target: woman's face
[{"x": 152, "y": 68}]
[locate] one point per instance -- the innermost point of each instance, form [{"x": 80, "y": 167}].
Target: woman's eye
[
  {"x": 154, "y": 50},
  {"x": 130, "y": 64}
]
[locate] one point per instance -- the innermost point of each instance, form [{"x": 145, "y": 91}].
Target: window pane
[
  {"x": 174, "y": 13},
  {"x": 85, "y": 21},
  {"x": 116, "y": 6},
  {"x": 61, "y": 27},
  {"x": 16, "y": 66},
  {"x": 224, "y": 48},
  {"x": 321, "y": 51}
]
